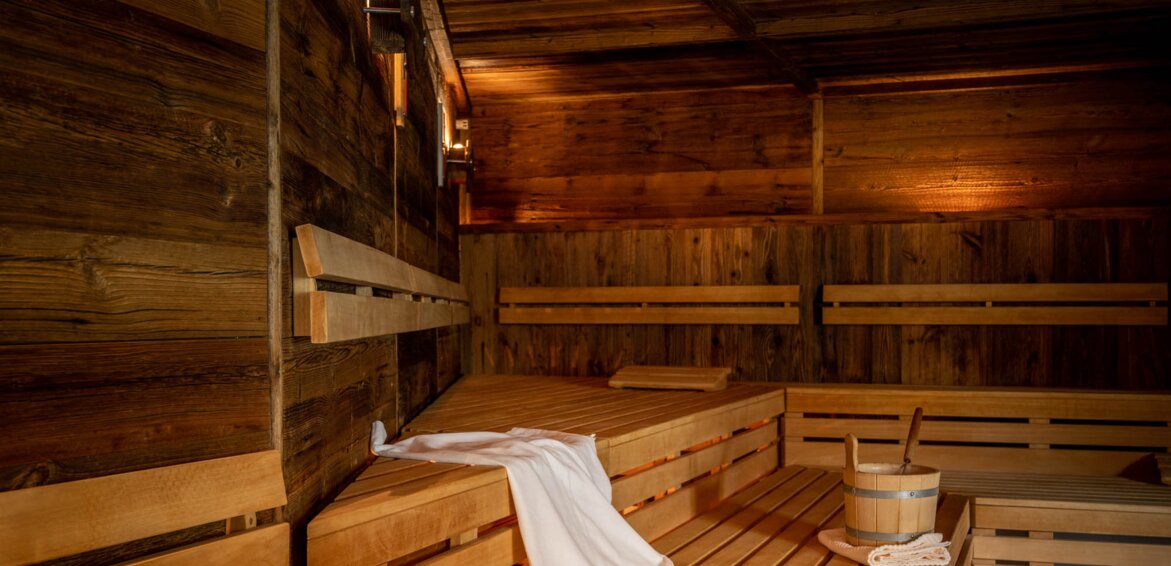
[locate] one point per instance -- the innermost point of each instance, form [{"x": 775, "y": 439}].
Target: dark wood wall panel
[
  {"x": 132, "y": 239},
  {"x": 1061, "y": 142},
  {"x": 1096, "y": 143},
  {"x": 651, "y": 155},
  {"x": 812, "y": 256},
  {"x": 345, "y": 167}
]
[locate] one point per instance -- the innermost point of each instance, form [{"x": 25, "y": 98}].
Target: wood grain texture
[
  {"x": 134, "y": 238},
  {"x": 685, "y": 154},
  {"x": 143, "y": 404},
  {"x": 1082, "y": 251},
  {"x": 99, "y": 512},
  {"x": 346, "y": 169}
]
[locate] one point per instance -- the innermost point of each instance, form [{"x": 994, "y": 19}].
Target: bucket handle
[
  {"x": 913, "y": 436},
  {"x": 851, "y": 452}
]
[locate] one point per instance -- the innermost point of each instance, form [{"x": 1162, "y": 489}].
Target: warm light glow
[{"x": 457, "y": 146}]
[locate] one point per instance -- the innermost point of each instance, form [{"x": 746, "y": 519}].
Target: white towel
[
  {"x": 927, "y": 550},
  {"x": 559, "y": 488}
]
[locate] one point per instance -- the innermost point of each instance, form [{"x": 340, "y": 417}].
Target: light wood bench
[
  {"x": 732, "y": 304},
  {"x": 1043, "y": 467},
  {"x": 670, "y": 454},
  {"x": 65, "y": 519},
  {"x": 997, "y": 304}
]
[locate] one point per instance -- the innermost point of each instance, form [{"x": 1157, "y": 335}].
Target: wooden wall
[
  {"x": 815, "y": 255},
  {"x": 1054, "y": 141},
  {"x": 133, "y": 245},
  {"x": 346, "y": 168}
]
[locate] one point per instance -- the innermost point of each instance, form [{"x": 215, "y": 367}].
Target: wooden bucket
[{"x": 887, "y": 503}]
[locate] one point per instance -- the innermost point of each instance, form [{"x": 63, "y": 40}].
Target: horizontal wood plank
[
  {"x": 650, "y": 315},
  {"x": 264, "y": 546},
  {"x": 1000, "y": 293},
  {"x": 48, "y": 522},
  {"x": 1038, "y": 516},
  {"x": 502, "y": 547},
  {"x": 335, "y": 258},
  {"x": 996, "y": 316},
  {"x": 1021, "y": 403},
  {"x": 656, "y": 295},
  {"x": 1022, "y": 460},
  {"x": 657, "y": 479},
  {"x": 336, "y": 316},
  {"x": 982, "y": 432},
  {"x": 1068, "y": 551}
]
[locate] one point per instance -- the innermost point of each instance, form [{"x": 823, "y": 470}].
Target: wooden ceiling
[{"x": 525, "y": 49}]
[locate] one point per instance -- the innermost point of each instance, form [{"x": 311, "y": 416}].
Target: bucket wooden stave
[{"x": 888, "y": 503}]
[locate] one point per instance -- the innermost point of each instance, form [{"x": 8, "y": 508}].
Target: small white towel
[
  {"x": 927, "y": 550},
  {"x": 559, "y": 488}
]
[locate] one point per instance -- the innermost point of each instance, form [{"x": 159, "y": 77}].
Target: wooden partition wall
[{"x": 1084, "y": 251}]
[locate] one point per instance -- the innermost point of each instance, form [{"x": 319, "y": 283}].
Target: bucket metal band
[
  {"x": 880, "y": 494},
  {"x": 884, "y": 537}
]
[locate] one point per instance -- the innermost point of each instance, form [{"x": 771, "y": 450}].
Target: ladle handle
[
  {"x": 851, "y": 452},
  {"x": 913, "y": 436}
]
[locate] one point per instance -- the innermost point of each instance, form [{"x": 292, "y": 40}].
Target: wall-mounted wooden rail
[
  {"x": 410, "y": 298},
  {"x": 734, "y": 304},
  {"x": 1115, "y": 304}
]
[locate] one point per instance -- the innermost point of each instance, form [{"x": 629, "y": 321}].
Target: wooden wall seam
[{"x": 275, "y": 225}]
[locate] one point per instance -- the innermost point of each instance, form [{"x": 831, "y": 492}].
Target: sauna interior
[{"x": 236, "y": 233}]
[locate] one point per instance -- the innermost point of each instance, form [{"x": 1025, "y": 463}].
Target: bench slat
[
  {"x": 649, "y": 315},
  {"x": 996, "y": 316},
  {"x": 656, "y": 519},
  {"x": 502, "y": 547},
  {"x": 653, "y": 295},
  {"x": 335, "y": 317},
  {"x": 1068, "y": 551},
  {"x": 264, "y": 546},
  {"x": 1091, "y": 519},
  {"x": 994, "y": 432},
  {"x": 350, "y": 540},
  {"x": 640, "y": 486},
  {"x": 671, "y": 377},
  {"x": 997, "y": 292},
  {"x": 336, "y": 258},
  {"x": 42, "y": 523},
  {"x": 1025, "y": 460},
  {"x": 978, "y": 402}
]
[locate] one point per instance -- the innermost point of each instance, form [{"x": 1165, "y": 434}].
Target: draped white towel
[
  {"x": 559, "y": 488},
  {"x": 927, "y": 550}
]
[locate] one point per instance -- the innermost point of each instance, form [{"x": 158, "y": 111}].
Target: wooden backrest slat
[
  {"x": 979, "y": 402},
  {"x": 651, "y": 295},
  {"x": 967, "y": 431},
  {"x": 42, "y": 523},
  {"x": 1003, "y": 293},
  {"x": 336, "y": 258}
]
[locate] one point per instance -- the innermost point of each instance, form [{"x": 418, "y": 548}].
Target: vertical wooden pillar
[{"x": 818, "y": 149}]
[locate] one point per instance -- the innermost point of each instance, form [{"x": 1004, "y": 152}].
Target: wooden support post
[
  {"x": 817, "y": 182},
  {"x": 303, "y": 285}
]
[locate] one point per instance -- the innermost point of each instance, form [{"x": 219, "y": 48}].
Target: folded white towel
[
  {"x": 559, "y": 488},
  {"x": 927, "y": 550}
]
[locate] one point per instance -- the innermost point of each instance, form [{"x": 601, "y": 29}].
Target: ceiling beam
[
  {"x": 737, "y": 18},
  {"x": 436, "y": 25}
]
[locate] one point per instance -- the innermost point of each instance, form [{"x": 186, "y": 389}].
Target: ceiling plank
[
  {"x": 737, "y": 18},
  {"x": 901, "y": 15}
]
